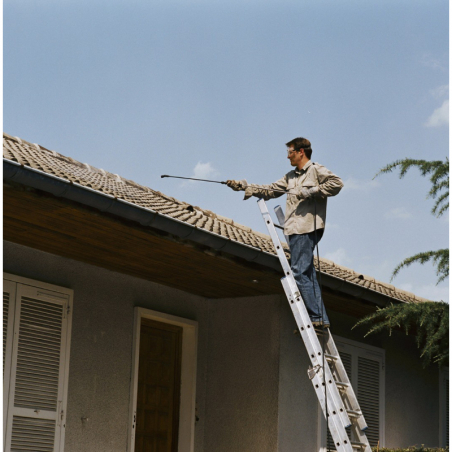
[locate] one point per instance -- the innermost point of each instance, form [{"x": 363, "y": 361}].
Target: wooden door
[{"x": 159, "y": 378}]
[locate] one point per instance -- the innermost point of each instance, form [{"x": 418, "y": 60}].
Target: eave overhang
[{"x": 148, "y": 218}]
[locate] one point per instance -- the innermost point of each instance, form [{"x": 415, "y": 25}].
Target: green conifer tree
[
  {"x": 439, "y": 177},
  {"x": 428, "y": 320}
]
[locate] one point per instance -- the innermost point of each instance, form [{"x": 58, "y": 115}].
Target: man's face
[{"x": 294, "y": 156}]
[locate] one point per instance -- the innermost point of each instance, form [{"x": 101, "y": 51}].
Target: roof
[{"x": 52, "y": 163}]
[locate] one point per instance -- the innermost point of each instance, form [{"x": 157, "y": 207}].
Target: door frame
[{"x": 187, "y": 415}]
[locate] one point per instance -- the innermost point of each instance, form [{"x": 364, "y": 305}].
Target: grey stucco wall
[
  {"x": 298, "y": 404},
  {"x": 242, "y": 375},
  {"x": 101, "y": 343},
  {"x": 253, "y": 393}
]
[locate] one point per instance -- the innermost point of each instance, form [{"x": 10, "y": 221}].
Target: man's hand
[
  {"x": 307, "y": 192},
  {"x": 237, "y": 185}
]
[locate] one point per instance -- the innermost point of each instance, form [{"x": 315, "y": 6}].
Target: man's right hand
[{"x": 237, "y": 185}]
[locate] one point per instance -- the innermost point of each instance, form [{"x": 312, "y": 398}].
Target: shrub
[{"x": 412, "y": 449}]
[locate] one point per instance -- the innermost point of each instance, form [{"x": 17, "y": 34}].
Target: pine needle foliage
[
  {"x": 440, "y": 259},
  {"x": 429, "y": 320},
  {"x": 439, "y": 177},
  {"x": 411, "y": 449}
]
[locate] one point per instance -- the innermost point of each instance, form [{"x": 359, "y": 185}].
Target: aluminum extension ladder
[{"x": 342, "y": 404}]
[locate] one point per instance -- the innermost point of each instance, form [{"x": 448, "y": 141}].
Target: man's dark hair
[{"x": 301, "y": 143}]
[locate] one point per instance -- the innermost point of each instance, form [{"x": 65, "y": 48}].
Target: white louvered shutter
[
  {"x": 37, "y": 394},
  {"x": 369, "y": 396},
  {"x": 364, "y": 367},
  {"x": 9, "y": 303}
]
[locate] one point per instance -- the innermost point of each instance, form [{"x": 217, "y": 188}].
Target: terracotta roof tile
[{"x": 51, "y": 162}]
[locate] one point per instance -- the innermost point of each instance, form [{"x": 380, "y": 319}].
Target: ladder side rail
[
  {"x": 314, "y": 349},
  {"x": 361, "y": 438},
  {"x": 307, "y": 333},
  {"x": 335, "y": 422},
  {"x": 336, "y": 403},
  {"x": 306, "y": 329},
  {"x": 348, "y": 393}
]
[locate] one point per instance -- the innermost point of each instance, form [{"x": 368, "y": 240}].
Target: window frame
[
  {"x": 187, "y": 413},
  {"x": 355, "y": 349}
]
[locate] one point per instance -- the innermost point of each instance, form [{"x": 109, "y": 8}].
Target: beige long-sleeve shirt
[{"x": 299, "y": 217}]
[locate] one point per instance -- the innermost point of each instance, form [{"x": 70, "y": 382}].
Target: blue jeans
[{"x": 302, "y": 264}]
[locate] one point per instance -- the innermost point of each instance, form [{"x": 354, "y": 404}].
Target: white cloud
[
  {"x": 429, "y": 291},
  {"x": 360, "y": 184},
  {"x": 432, "y": 62},
  {"x": 399, "y": 213},
  {"x": 440, "y": 116},
  {"x": 339, "y": 256},
  {"x": 440, "y": 91},
  {"x": 202, "y": 171}
]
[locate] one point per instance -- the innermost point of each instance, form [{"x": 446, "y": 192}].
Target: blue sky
[{"x": 215, "y": 89}]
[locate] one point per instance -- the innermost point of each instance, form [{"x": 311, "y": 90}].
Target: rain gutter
[{"x": 57, "y": 186}]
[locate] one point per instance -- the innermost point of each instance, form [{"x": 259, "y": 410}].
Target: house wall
[
  {"x": 253, "y": 393},
  {"x": 238, "y": 349},
  {"x": 298, "y": 405},
  {"x": 242, "y": 378},
  {"x": 101, "y": 344}
]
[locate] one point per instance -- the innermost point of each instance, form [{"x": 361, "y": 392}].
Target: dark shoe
[{"x": 318, "y": 324}]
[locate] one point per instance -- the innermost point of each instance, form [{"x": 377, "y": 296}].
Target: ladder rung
[
  {"x": 357, "y": 444},
  {"x": 331, "y": 357},
  {"x": 342, "y": 385},
  {"x": 354, "y": 413},
  {"x": 320, "y": 332}
]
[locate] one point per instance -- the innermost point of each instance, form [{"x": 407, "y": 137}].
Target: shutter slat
[
  {"x": 5, "y": 324},
  {"x": 369, "y": 396},
  {"x": 38, "y": 356},
  {"x": 367, "y": 389},
  {"x": 32, "y": 435}
]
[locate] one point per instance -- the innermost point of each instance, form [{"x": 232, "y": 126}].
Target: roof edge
[{"x": 16, "y": 172}]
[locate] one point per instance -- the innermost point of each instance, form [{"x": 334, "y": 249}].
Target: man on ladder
[{"x": 307, "y": 186}]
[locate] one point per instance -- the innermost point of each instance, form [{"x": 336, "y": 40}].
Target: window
[
  {"x": 36, "y": 337},
  {"x": 162, "y": 401},
  {"x": 364, "y": 365},
  {"x": 444, "y": 407}
]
